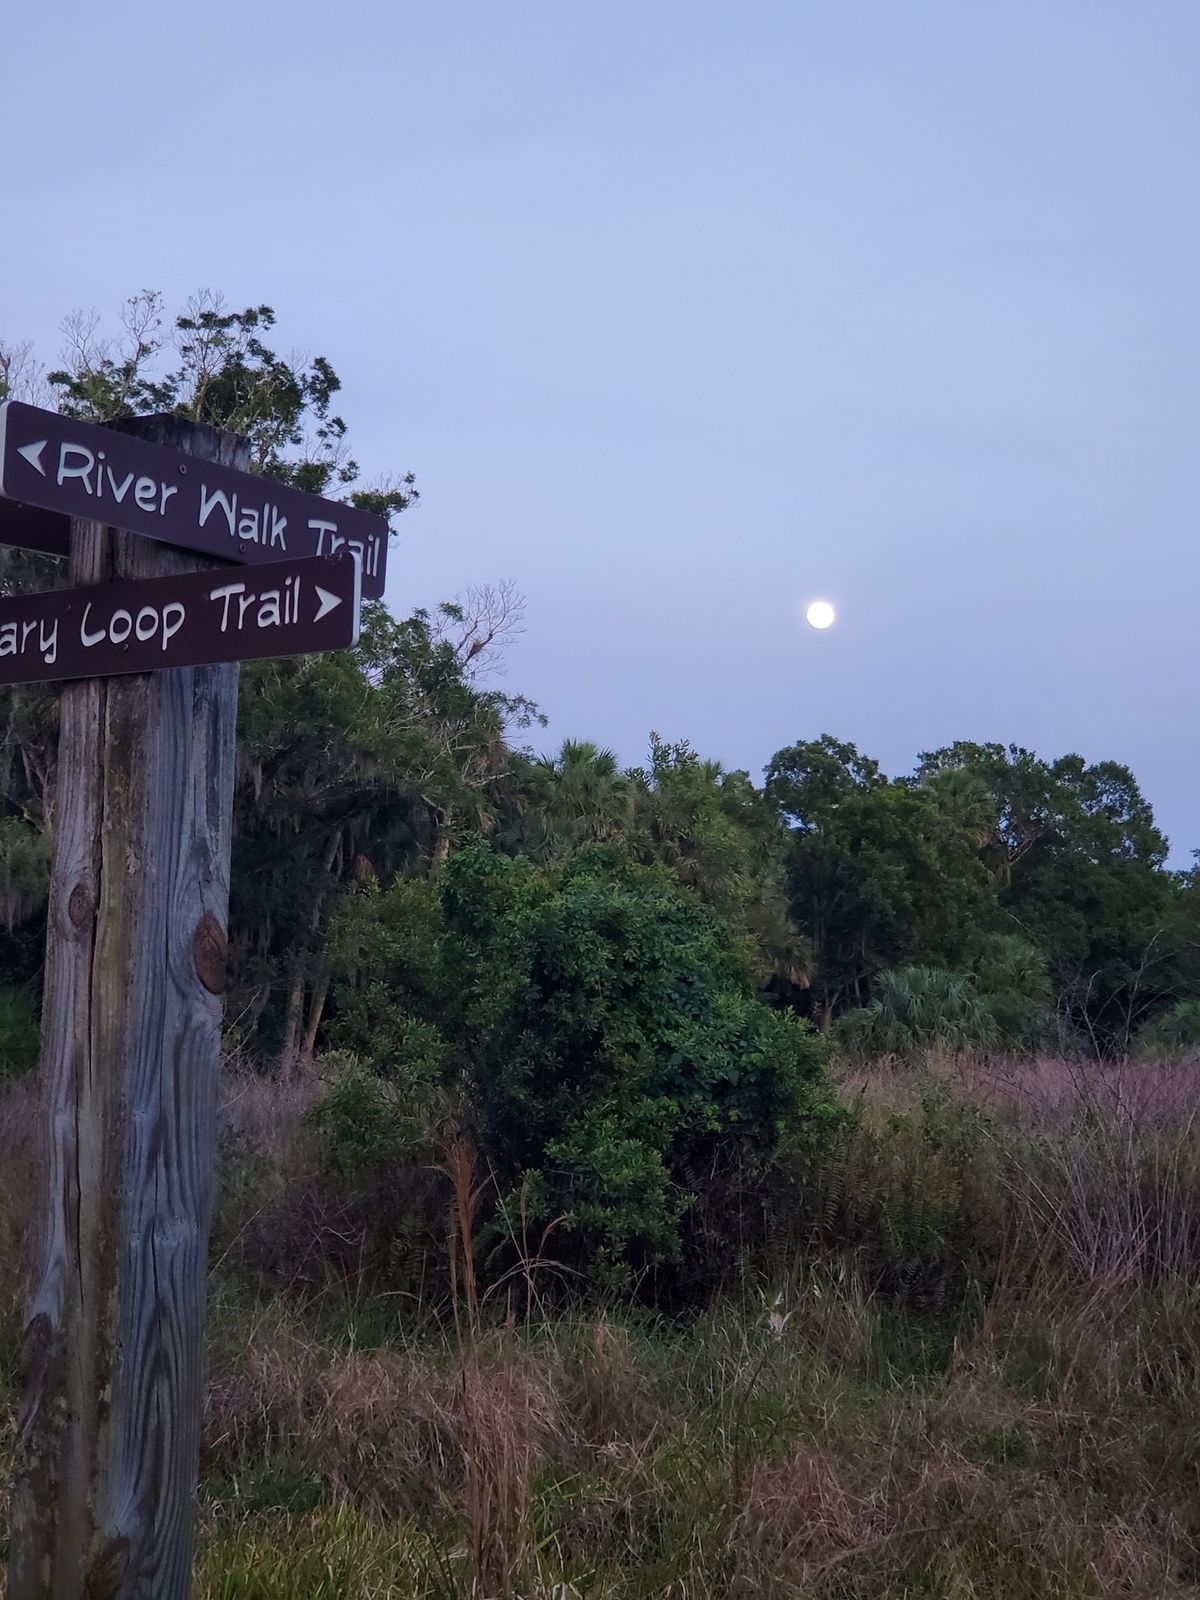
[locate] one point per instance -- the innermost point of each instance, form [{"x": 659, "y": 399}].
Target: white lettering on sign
[
  {"x": 256, "y": 524},
  {"x": 275, "y": 608},
  {"x": 70, "y": 468},
  {"x": 367, "y": 551},
  {"x": 77, "y": 461},
  {"x": 15, "y": 637},
  {"x": 226, "y": 594},
  {"x": 85, "y": 637},
  {"x": 218, "y": 499},
  {"x": 141, "y": 625},
  {"x": 151, "y": 621},
  {"x": 86, "y": 461},
  {"x": 173, "y": 617}
]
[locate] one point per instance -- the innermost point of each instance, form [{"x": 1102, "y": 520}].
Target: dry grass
[
  {"x": 266, "y": 1113},
  {"x": 389, "y": 1431},
  {"x": 965, "y": 1365},
  {"x": 1042, "y": 1093},
  {"x": 1094, "y": 1170}
]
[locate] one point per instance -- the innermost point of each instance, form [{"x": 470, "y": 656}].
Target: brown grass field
[{"x": 961, "y": 1360}]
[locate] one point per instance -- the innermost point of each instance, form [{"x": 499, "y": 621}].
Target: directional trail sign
[
  {"x": 196, "y": 619},
  {"x": 70, "y": 469},
  {"x": 31, "y": 529}
]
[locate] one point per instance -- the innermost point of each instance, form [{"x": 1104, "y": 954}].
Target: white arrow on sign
[
  {"x": 33, "y": 454},
  {"x": 328, "y": 601}
]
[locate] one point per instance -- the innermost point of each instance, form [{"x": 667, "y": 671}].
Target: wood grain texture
[{"x": 105, "y": 1485}]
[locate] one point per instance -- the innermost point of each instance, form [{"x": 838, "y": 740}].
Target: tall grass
[{"x": 962, "y": 1360}]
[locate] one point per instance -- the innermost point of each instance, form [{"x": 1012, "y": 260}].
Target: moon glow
[{"x": 820, "y": 614}]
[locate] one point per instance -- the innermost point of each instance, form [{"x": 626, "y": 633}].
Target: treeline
[{"x": 620, "y": 982}]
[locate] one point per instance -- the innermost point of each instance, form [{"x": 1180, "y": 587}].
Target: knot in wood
[
  {"x": 81, "y": 907},
  {"x": 107, "y": 1571},
  {"x": 210, "y": 948},
  {"x": 35, "y": 1360}
]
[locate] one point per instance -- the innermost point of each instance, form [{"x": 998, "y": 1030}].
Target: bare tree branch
[{"x": 481, "y": 623}]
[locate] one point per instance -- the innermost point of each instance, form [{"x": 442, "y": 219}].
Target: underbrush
[
  {"x": 959, "y": 1358},
  {"x": 795, "y": 1448}
]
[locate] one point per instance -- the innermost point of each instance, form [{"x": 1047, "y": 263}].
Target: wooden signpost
[{"x": 109, "y": 1434}]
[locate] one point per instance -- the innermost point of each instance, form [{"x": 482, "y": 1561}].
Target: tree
[
  {"x": 881, "y": 874},
  {"x": 716, "y": 832},
  {"x": 1098, "y": 809},
  {"x": 1001, "y": 1000},
  {"x": 1012, "y": 980},
  {"x": 351, "y": 764},
  {"x": 711, "y": 828},
  {"x": 212, "y": 365},
  {"x": 600, "y": 1028},
  {"x": 1078, "y": 864},
  {"x": 965, "y": 802},
  {"x": 1174, "y": 1033},
  {"x": 915, "y": 1009},
  {"x": 559, "y": 803}
]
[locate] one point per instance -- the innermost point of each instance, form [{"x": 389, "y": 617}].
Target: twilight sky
[{"x": 684, "y": 313}]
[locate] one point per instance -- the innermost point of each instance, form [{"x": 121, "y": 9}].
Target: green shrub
[
  {"x": 1002, "y": 1001},
  {"x": 1012, "y": 979},
  {"x": 915, "y": 1009},
  {"x": 24, "y": 869},
  {"x": 360, "y": 1123},
  {"x": 601, "y": 1029},
  {"x": 911, "y": 1193},
  {"x": 18, "y": 1032},
  {"x": 1175, "y": 1033}
]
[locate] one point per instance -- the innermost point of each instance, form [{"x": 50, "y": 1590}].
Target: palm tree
[
  {"x": 711, "y": 828},
  {"x": 965, "y": 801},
  {"x": 576, "y": 797},
  {"x": 917, "y": 1008}
]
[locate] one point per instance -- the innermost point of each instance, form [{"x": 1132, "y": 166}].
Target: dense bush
[
  {"x": 915, "y": 1009},
  {"x": 594, "y": 1028},
  {"x": 1001, "y": 1000},
  {"x": 1012, "y": 979},
  {"x": 18, "y": 1032},
  {"x": 1175, "y": 1033}
]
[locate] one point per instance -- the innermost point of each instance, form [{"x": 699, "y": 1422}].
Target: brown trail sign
[
  {"x": 104, "y": 1488},
  {"x": 30, "y": 529},
  {"x": 193, "y": 620},
  {"x": 69, "y": 469}
]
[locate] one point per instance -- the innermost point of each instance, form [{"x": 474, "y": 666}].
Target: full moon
[{"x": 820, "y": 614}]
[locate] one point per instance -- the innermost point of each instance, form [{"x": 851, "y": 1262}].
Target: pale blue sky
[{"x": 685, "y": 313}]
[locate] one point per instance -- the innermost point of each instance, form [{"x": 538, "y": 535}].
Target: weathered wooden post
[
  {"x": 109, "y": 1439},
  {"x": 103, "y": 1501}
]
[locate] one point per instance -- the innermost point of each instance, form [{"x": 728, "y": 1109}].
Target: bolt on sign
[
  {"x": 56, "y": 468},
  {"x": 197, "y": 619}
]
